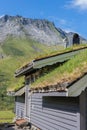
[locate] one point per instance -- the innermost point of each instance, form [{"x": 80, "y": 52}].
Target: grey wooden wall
[
  {"x": 20, "y": 109},
  {"x": 20, "y": 106},
  {"x": 86, "y": 109},
  {"x": 54, "y": 113},
  {"x": 83, "y": 110}
]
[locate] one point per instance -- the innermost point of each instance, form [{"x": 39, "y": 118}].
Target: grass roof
[
  {"x": 53, "y": 77},
  {"x": 68, "y": 72},
  {"x": 56, "y": 52},
  {"x": 61, "y": 51}
]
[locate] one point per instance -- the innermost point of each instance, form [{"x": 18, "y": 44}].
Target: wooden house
[
  {"x": 56, "y": 106},
  {"x": 73, "y": 38}
]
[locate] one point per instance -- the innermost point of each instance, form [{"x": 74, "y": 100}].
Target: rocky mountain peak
[
  {"x": 40, "y": 30},
  {"x": 4, "y": 18}
]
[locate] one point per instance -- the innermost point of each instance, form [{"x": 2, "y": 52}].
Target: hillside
[
  {"x": 17, "y": 51},
  {"x": 41, "y": 31}
]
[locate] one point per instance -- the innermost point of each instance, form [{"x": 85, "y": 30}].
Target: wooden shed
[
  {"x": 59, "y": 106},
  {"x": 73, "y": 38}
]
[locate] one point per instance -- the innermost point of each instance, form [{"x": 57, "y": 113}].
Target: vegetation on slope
[
  {"x": 49, "y": 53},
  {"x": 61, "y": 50},
  {"x": 54, "y": 52},
  {"x": 68, "y": 72},
  {"x": 6, "y": 116},
  {"x": 17, "y": 51}
]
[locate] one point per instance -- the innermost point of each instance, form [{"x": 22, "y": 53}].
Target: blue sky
[{"x": 69, "y": 15}]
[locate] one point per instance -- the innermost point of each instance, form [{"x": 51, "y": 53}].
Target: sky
[{"x": 69, "y": 15}]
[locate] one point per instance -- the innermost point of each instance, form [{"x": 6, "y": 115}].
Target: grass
[
  {"x": 55, "y": 51},
  {"x": 60, "y": 51},
  {"x": 6, "y": 116},
  {"x": 23, "y": 47},
  {"x": 19, "y": 84},
  {"x": 7, "y": 69},
  {"x": 17, "y": 51},
  {"x": 67, "y": 72}
]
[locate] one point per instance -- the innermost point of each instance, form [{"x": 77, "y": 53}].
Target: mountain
[{"x": 41, "y": 31}]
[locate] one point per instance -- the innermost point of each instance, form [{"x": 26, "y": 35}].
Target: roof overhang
[
  {"x": 78, "y": 87},
  {"x": 47, "y": 61},
  {"x": 11, "y": 93},
  {"x": 73, "y": 90},
  {"x": 54, "y": 94},
  {"x": 20, "y": 92},
  {"x": 22, "y": 71}
]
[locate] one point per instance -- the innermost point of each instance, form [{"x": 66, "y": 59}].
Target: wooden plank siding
[
  {"x": 86, "y": 109},
  {"x": 54, "y": 113},
  {"x": 20, "y": 109},
  {"x": 83, "y": 110},
  {"x": 20, "y": 106}
]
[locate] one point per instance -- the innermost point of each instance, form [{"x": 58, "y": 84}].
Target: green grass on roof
[
  {"x": 67, "y": 72},
  {"x": 15, "y": 83},
  {"x": 52, "y": 52},
  {"x": 60, "y": 51}
]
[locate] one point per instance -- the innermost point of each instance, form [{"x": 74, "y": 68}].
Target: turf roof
[
  {"x": 54, "y": 53},
  {"x": 66, "y": 73}
]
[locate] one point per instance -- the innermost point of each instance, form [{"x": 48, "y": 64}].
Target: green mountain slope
[{"x": 14, "y": 52}]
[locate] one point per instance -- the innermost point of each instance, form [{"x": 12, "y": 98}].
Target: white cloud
[{"x": 82, "y": 4}]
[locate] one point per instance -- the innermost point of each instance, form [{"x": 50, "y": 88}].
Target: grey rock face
[
  {"x": 9, "y": 26},
  {"x": 42, "y": 31}
]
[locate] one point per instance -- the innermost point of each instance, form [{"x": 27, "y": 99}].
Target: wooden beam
[{"x": 83, "y": 111}]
